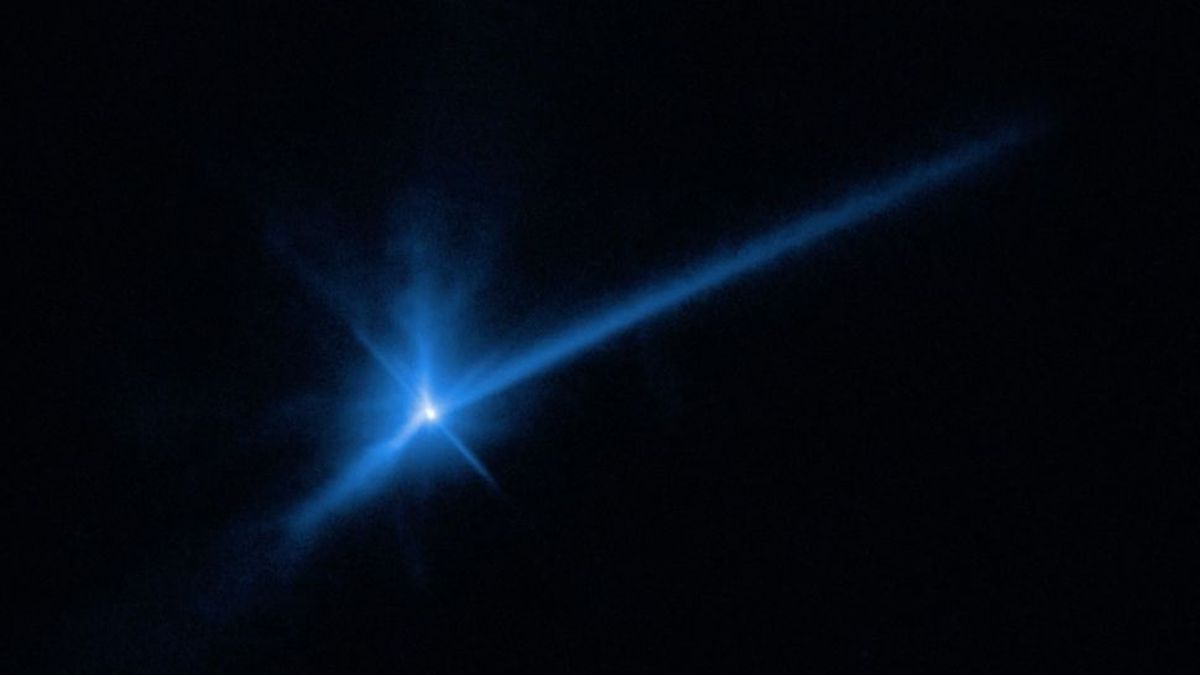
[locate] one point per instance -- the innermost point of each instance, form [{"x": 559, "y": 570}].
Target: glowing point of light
[{"x": 426, "y": 410}]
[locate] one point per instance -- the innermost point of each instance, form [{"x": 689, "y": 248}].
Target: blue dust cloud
[{"x": 426, "y": 413}]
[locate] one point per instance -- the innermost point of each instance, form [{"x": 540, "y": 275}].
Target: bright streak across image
[{"x": 366, "y": 475}]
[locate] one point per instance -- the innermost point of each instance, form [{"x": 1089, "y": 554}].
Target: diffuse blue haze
[
  {"x": 368, "y": 472},
  {"x": 355, "y": 482}
]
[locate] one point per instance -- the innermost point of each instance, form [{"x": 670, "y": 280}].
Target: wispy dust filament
[{"x": 655, "y": 299}]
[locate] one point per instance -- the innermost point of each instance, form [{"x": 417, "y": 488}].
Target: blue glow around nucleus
[{"x": 426, "y": 411}]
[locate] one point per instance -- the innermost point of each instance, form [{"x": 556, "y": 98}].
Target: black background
[{"x": 958, "y": 438}]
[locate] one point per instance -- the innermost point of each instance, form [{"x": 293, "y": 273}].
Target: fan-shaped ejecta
[{"x": 575, "y": 337}]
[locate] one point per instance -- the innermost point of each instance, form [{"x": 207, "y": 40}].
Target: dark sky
[{"x": 961, "y": 438}]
